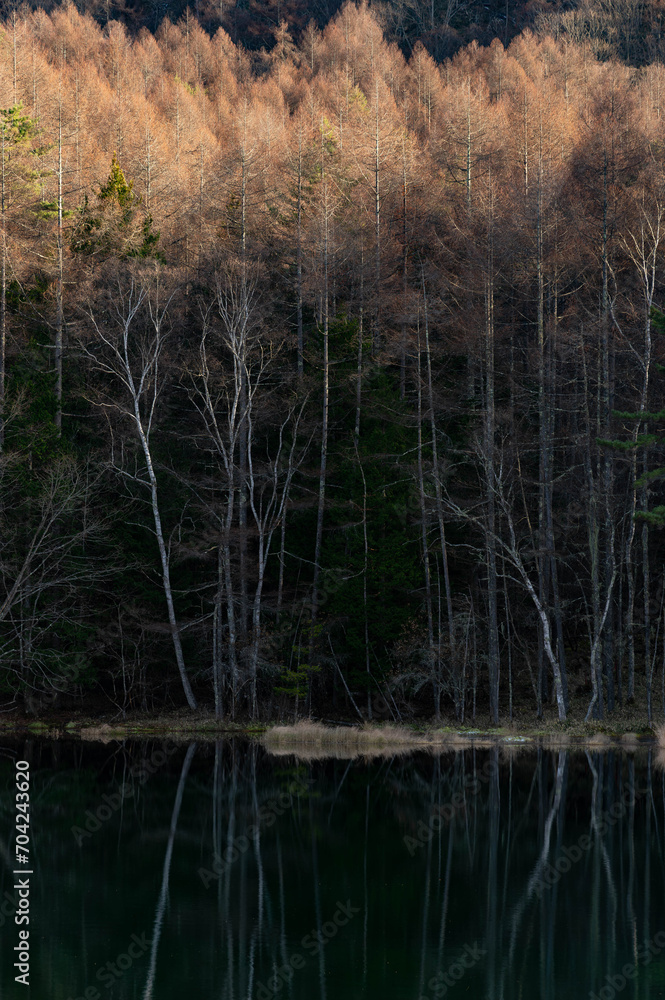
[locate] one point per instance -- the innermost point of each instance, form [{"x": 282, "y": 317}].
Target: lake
[{"x": 221, "y": 871}]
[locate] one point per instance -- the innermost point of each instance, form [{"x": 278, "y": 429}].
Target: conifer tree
[{"x": 116, "y": 225}]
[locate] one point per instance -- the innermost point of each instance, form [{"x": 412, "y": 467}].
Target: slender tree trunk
[
  {"x": 377, "y": 219},
  {"x": 3, "y": 290},
  {"x": 301, "y": 342},
  {"x": 282, "y": 559},
  {"x": 490, "y": 484},
  {"x": 516, "y": 559},
  {"x": 242, "y": 504},
  {"x": 368, "y": 673},
  {"x": 543, "y": 560},
  {"x": 437, "y": 481},
  {"x": 232, "y": 626},
  {"x": 15, "y": 101},
  {"x": 405, "y": 257},
  {"x": 148, "y": 166},
  {"x": 268, "y": 513},
  {"x": 509, "y": 654},
  {"x": 424, "y": 539},
  {"x": 609, "y": 569},
  {"x": 549, "y": 518},
  {"x": 217, "y": 642},
  {"x": 256, "y": 627},
  {"x": 324, "y": 421},
  {"x": 243, "y": 403},
  {"x": 468, "y": 146},
  {"x": 359, "y": 363},
  {"x": 59, "y": 322},
  {"x": 646, "y": 598},
  {"x": 630, "y": 574},
  {"x": 593, "y": 534},
  {"x": 164, "y": 557}
]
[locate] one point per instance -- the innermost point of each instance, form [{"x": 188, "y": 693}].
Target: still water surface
[{"x": 220, "y": 871}]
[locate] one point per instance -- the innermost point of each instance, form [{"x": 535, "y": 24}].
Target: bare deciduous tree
[{"x": 127, "y": 349}]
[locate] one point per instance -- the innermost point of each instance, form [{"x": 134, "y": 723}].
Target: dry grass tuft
[
  {"x": 101, "y": 734},
  {"x": 599, "y": 740},
  {"x": 357, "y": 738},
  {"x": 313, "y": 740}
]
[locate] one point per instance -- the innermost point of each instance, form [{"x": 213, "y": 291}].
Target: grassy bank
[
  {"x": 627, "y": 731},
  {"x": 314, "y": 739}
]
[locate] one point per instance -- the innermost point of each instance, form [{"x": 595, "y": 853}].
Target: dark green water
[{"x": 463, "y": 875}]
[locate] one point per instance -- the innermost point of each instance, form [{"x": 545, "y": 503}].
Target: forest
[
  {"x": 331, "y": 378},
  {"x": 627, "y": 30}
]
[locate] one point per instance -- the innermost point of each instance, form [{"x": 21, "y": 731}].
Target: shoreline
[{"x": 182, "y": 726}]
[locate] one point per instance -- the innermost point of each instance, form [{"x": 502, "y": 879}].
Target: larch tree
[{"x": 18, "y": 133}]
